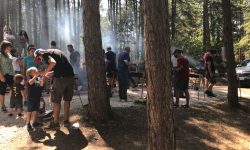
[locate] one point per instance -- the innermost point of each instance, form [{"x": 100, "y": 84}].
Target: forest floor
[{"x": 209, "y": 123}]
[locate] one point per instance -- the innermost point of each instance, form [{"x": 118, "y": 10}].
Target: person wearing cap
[
  {"x": 28, "y": 61},
  {"x": 61, "y": 71},
  {"x": 210, "y": 72},
  {"x": 181, "y": 78}
]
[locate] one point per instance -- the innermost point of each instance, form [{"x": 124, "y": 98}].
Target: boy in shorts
[
  {"x": 17, "y": 96},
  {"x": 34, "y": 89}
]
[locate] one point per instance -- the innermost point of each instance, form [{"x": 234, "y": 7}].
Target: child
[
  {"x": 34, "y": 89},
  {"x": 17, "y": 95}
]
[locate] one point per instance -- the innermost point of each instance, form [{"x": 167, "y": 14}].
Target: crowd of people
[{"x": 26, "y": 71}]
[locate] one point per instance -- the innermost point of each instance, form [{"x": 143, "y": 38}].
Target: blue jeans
[{"x": 123, "y": 84}]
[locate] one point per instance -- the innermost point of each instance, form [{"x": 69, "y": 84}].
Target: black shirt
[
  {"x": 111, "y": 57},
  {"x": 16, "y": 90},
  {"x": 34, "y": 91},
  {"x": 73, "y": 57},
  {"x": 62, "y": 68}
]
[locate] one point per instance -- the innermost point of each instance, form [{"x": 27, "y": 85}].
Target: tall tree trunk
[
  {"x": 137, "y": 35},
  {"x": 78, "y": 23},
  {"x": 206, "y": 29},
  {"x": 2, "y": 14},
  {"x": 158, "y": 70},
  {"x": 173, "y": 18},
  {"x": 20, "y": 14},
  {"x": 141, "y": 26},
  {"x": 35, "y": 23},
  {"x": 99, "y": 105},
  {"x": 55, "y": 21},
  {"x": 28, "y": 20},
  {"x": 232, "y": 94},
  {"x": 44, "y": 25},
  {"x": 8, "y": 13}
]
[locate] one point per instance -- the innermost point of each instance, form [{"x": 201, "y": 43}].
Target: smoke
[
  {"x": 192, "y": 61},
  {"x": 109, "y": 39}
]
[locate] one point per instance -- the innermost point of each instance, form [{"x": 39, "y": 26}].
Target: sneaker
[
  {"x": 210, "y": 94},
  {"x": 29, "y": 127},
  {"x": 53, "y": 125},
  {"x": 66, "y": 122},
  {"x": 18, "y": 116},
  {"x": 4, "y": 109}
]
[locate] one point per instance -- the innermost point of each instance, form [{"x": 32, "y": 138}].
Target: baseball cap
[{"x": 36, "y": 54}]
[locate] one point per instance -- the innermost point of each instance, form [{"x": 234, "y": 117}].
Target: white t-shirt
[{"x": 15, "y": 64}]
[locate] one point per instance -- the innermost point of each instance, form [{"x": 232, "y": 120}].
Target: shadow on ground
[
  {"x": 74, "y": 140},
  {"x": 127, "y": 130},
  {"x": 203, "y": 126},
  {"x": 213, "y": 126}
]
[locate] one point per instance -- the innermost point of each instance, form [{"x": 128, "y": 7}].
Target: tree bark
[
  {"x": 44, "y": 25},
  {"x": 35, "y": 22},
  {"x": 206, "y": 29},
  {"x": 173, "y": 18},
  {"x": 158, "y": 70},
  {"x": 2, "y": 14},
  {"x": 232, "y": 94},
  {"x": 99, "y": 105},
  {"x": 20, "y": 15},
  {"x": 141, "y": 30}
]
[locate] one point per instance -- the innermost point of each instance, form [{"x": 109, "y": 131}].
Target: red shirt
[{"x": 183, "y": 73}]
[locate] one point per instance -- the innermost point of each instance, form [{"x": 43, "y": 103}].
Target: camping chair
[{"x": 77, "y": 88}]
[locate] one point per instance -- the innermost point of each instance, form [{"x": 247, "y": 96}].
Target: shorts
[
  {"x": 62, "y": 88},
  {"x": 16, "y": 103},
  {"x": 181, "y": 84},
  {"x": 211, "y": 79},
  {"x": 8, "y": 82},
  {"x": 33, "y": 105},
  {"x": 202, "y": 72}
]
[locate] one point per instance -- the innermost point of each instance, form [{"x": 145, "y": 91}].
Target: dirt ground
[{"x": 209, "y": 123}]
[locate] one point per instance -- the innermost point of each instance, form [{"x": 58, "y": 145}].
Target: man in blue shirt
[{"x": 123, "y": 73}]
